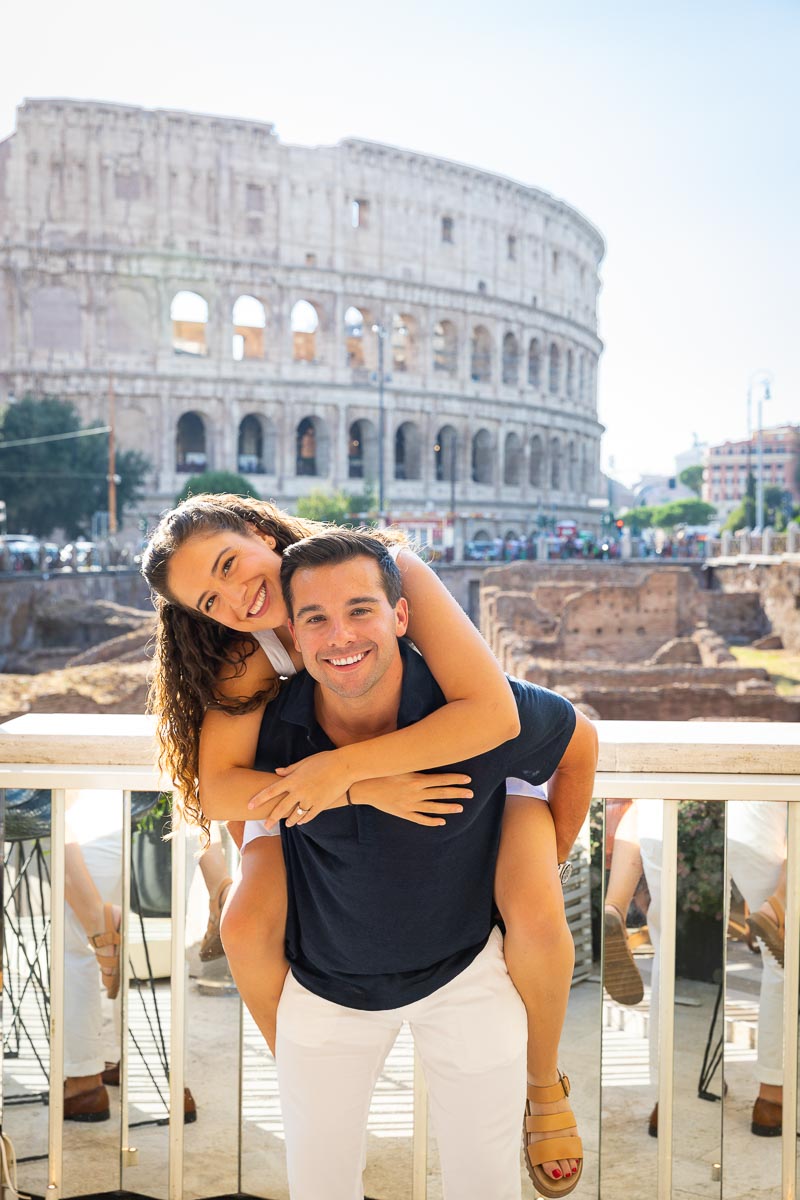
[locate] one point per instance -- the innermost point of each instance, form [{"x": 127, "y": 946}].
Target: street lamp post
[{"x": 763, "y": 378}]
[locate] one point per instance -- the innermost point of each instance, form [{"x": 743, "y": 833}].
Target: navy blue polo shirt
[{"x": 383, "y": 911}]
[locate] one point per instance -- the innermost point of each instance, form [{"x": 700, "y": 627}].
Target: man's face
[{"x": 344, "y": 625}]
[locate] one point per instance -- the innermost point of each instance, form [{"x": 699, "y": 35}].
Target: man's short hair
[{"x": 329, "y": 549}]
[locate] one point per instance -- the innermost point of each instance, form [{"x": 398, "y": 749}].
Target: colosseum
[{"x": 310, "y": 317}]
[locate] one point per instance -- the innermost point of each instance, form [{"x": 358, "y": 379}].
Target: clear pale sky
[{"x": 672, "y": 126}]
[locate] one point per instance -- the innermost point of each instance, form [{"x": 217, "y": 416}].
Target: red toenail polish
[{"x": 556, "y": 1174}]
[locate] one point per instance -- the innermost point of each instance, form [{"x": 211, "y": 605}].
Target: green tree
[
  {"x": 639, "y": 518},
  {"x": 692, "y": 478},
  {"x": 217, "y": 481},
  {"x": 60, "y": 483},
  {"x": 340, "y": 508},
  {"x": 683, "y": 512}
]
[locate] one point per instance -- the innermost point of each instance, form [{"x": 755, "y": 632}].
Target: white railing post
[
  {"x": 178, "y": 1012},
  {"x": 55, "y": 1136},
  {"x": 791, "y": 980},
  {"x": 666, "y": 998}
]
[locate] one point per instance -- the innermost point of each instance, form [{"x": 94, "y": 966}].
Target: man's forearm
[{"x": 570, "y": 790}]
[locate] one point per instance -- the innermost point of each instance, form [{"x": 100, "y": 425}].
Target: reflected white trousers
[
  {"x": 756, "y": 853},
  {"x": 471, "y": 1037}
]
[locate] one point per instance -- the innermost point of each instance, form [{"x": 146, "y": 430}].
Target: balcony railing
[{"x": 721, "y": 764}]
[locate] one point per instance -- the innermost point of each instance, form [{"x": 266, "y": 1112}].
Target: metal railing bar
[
  {"x": 57, "y": 901},
  {"x": 177, "y": 1013},
  {"x": 791, "y": 980},
  {"x": 666, "y": 1000}
]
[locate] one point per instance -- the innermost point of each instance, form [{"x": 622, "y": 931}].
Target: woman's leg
[
  {"x": 253, "y": 929},
  {"x": 539, "y": 950}
]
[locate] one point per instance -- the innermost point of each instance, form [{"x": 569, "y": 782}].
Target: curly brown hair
[{"x": 191, "y": 650}]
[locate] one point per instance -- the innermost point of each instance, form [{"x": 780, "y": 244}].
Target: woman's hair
[{"x": 191, "y": 650}]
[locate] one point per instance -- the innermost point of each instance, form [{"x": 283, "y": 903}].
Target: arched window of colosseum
[
  {"x": 534, "y": 363},
  {"x": 249, "y": 323},
  {"x": 252, "y": 448},
  {"x": 512, "y": 461},
  {"x": 511, "y": 247},
  {"x": 536, "y": 462},
  {"x": 482, "y": 535},
  {"x": 445, "y": 454},
  {"x": 555, "y": 367},
  {"x": 482, "y": 457},
  {"x": 481, "y": 355},
  {"x": 404, "y": 342},
  {"x": 585, "y": 469},
  {"x": 510, "y": 359},
  {"x": 56, "y": 317},
  {"x": 407, "y": 452},
  {"x": 305, "y": 323},
  {"x": 354, "y": 336},
  {"x": 362, "y": 451},
  {"x": 445, "y": 347},
  {"x": 572, "y": 467},
  {"x": 312, "y": 449},
  {"x": 581, "y": 379},
  {"x": 189, "y": 315},
  {"x": 555, "y": 464},
  {"x": 447, "y": 229},
  {"x": 128, "y": 329},
  {"x": 570, "y": 381},
  {"x": 190, "y": 444}
]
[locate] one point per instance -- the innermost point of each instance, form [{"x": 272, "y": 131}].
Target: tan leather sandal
[
  {"x": 621, "y": 977},
  {"x": 772, "y": 933},
  {"x": 211, "y": 946},
  {"x": 552, "y": 1148},
  {"x": 108, "y": 963}
]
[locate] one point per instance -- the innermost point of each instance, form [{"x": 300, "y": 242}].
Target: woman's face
[{"x": 232, "y": 579}]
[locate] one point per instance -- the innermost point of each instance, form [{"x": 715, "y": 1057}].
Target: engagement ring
[{"x": 301, "y": 812}]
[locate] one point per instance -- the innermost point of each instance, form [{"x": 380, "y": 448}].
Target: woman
[{"x": 222, "y": 644}]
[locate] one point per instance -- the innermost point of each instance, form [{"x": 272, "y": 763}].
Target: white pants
[
  {"x": 88, "y": 1045},
  {"x": 756, "y": 853},
  {"x": 471, "y": 1037}
]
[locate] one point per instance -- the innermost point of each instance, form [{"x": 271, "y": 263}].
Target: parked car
[
  {"x": 481, "y": 551},
  {"x": 22, "y": 550},
  {"x": 80, "y": 553}
]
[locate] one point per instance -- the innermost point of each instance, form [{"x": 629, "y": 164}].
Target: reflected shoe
[
  {"x": 189, "y": 1108},
  {"x": 88, "y": 1106},
  {"x": 211, "y": 946},
  {"x": 652, "y": 1124},
  {"x": 767, "y": 1118},
  {"x": 110, "y": 1076},
  {"x": 621, "y": 977},
  {"x": 770, "y": 929}
]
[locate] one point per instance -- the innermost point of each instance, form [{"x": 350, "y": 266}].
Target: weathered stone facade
[
  {"x": 229, "y": 284},
  {"x": 641, "y": 643}
]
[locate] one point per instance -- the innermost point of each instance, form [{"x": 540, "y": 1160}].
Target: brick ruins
[{"x": 643, "y": 643}]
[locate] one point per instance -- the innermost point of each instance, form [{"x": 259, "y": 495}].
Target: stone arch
[
  {"x": 569, "y": 384},
  {"x": 445, "y": 347},
  {"x": 305, "y": 326},
  {"x": 445, "y": 454},
  {"x": 585, "y": 469},
  {"x": 191, "y": 457},
  {"x": 481, "y": 355},
  {"x": 312, "y": 447},
  {"x": 510, "y": 359},
  {"x": 128, "y": 327},
  {"x": 408, "y": 451},
  {"x": 512, "y": 460},
  {"x": 581, "y": 379},
  {"x": 189, "y": 315},
  {"x": 362, "y": 450},
  {"x": 554, "y": 369},
  {"x": 555, "y": 464},
  {"x": 572, "y": 467},
  {"x": 354, "y": 327},
  {"x": 482, "y": 471},
  {"x": 256, "y": 445},
  {"x": 404, "y": 343},
  {"x": 534, "y": 363},
  {"x": 536, "y": 462},
  {"x": 249, "y": 323},
  {"x": 56, "y": 318}
]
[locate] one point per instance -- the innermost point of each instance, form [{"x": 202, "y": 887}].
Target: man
[{"x": 386, "y": 922}]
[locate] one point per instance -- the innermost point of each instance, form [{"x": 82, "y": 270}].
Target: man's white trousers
[{"x": 471, "y": 1036}]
